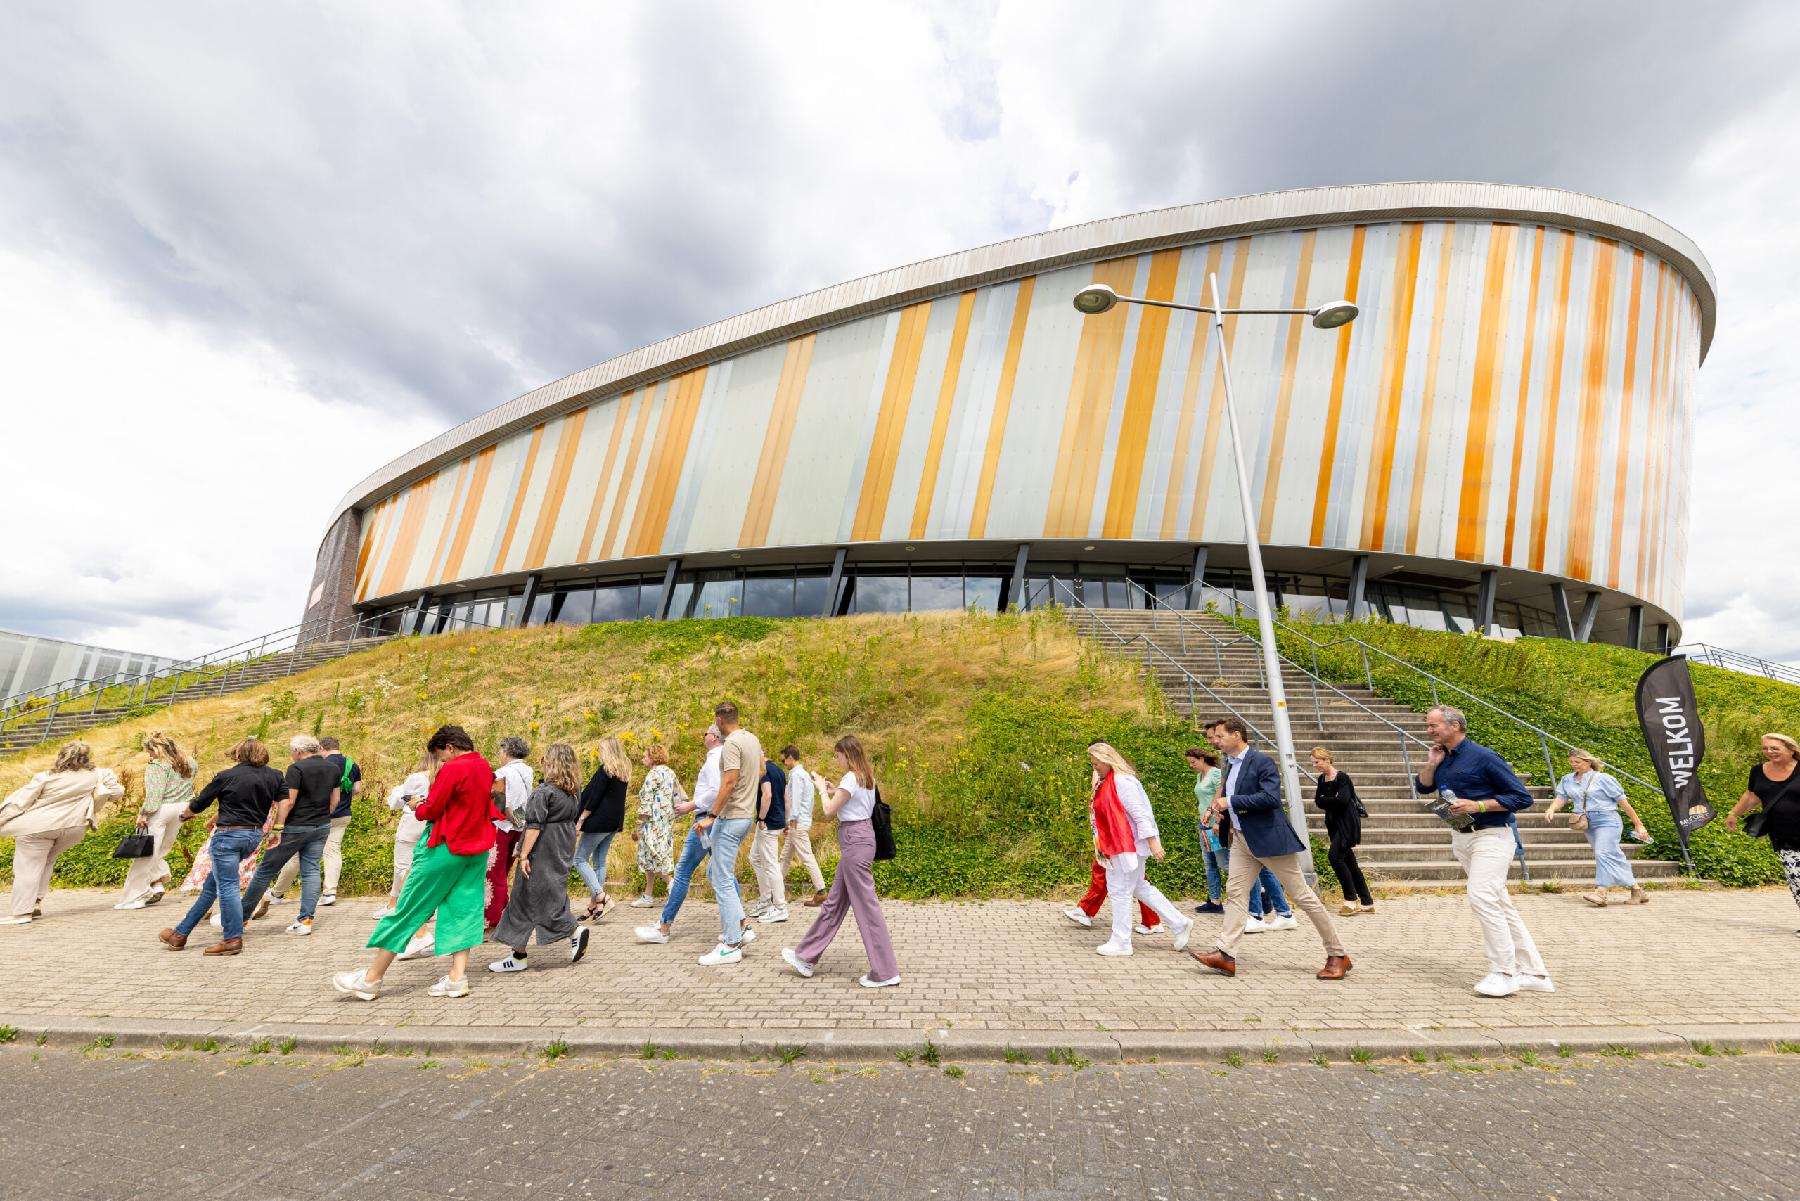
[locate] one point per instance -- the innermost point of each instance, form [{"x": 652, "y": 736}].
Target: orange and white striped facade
[{"x": 1517, "y": 393}]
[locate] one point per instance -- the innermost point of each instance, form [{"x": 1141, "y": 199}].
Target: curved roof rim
[{"x": 1031, "y": 254}]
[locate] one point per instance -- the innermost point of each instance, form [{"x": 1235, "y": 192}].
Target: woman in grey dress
[{"x": 540, "y": 890}]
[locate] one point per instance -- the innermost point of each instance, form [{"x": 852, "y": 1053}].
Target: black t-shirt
[
  {"x": 313, "y": 778},
  {"x": 776, "y": 779},
  {"x": 604, "y": 801},
  {"x": 245, "y": 795},
  {"x": 344, "y": 797},
  {"x": 1782, "y": 826}
]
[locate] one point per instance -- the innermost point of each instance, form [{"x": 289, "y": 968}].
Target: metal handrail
[
  {"x": 1545, "y": 737},
  {"x": 1729, "y": 660}
]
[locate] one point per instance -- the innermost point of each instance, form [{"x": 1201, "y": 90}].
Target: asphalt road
[{"x": 197, "y": 1126}]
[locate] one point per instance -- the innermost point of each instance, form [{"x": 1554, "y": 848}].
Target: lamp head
[
  {"x": 1330, "y": 316},
  {"x": 1095, "y": 299}
]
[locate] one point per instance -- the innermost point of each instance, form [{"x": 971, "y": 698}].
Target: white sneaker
[
  {"x": 749, "y": 936},
  {"x": 757, "y": 908},
  {"x": 650, "y": 934},
  {"x": 329, "y": 898},
  {"x": 509, "y": 964},
  {"x": 578, "y": 944},
  {"x": 449, "y": 988},
  {"x": 1256, "y": 925},
  {"x": 1284, "y": 921},
  {"x": 644, "y": 903},
  {"x": 140, "y": 903},
  {"x": 300, "y": 926},
  {"x": 1496, "y": 985},
  {"x": 800, "y": 966},
  {"x": 422, "y": 946},
  {"x": 384, "y": 911},
  {"x": 357, "y": 984},
  {"x": 1141, "y": 928},
  {"x": 1112, "y": 948},
  {"x": 1529, "y": 983},
  {"x": 274, "y": 899},
  {"x": 871, "y": 982},
  {"x": 1181, "y": 935},
  {"x": 1078, "y": 917},
  {"x": 23, "y": 919},
  {"x": 721, "y": 955},
  {"x": 773, "y": 916}
]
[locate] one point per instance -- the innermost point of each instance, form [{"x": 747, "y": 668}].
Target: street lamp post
[{"x": 1098, "y": 298}]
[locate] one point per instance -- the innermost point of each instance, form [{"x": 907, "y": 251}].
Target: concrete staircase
[
  {"x": 57, "y": 724},
  {"x": 1401, "y": 842}
]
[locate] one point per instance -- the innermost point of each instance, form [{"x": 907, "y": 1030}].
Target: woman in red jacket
[{"x": 448, "y": 874}]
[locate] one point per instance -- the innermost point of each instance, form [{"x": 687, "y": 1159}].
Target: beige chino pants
[{"x": 1242, "y": 877}]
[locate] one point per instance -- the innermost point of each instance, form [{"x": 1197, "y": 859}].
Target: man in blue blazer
[{"x": 1250, "y": 797}]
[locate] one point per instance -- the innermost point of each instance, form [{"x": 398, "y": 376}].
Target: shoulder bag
[
  {"x": 1756, "y": 824},
  {"x": 881, "y": 820},
  {"x": 1578, "y": 820}
]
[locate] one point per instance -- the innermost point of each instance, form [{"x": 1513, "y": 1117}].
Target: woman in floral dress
[{"x": 655, "y": 832}]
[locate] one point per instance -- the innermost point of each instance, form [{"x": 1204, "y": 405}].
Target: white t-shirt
[
  {"x": 414, "y": 788},
  {"x": 861, "y": 805},
  {"x": 518, "y": 778},
  {"x": 706, "y": 784}
]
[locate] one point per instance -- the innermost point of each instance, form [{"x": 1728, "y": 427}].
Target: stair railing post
[
  {"x": 1549, "y": 767},
  {"x": 1368, "y": 673},
  {"x": 1406, "y": 758}
]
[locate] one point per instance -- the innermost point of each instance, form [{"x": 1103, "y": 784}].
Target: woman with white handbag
[
  {"x": 1597, "y": 799},
  {"x": 48, "y": 816}
]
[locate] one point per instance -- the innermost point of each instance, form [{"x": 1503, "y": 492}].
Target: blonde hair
[
  {"x": 1107, "y": 754},
  {"x": 1792, "y": 746},
  {"x": 1594, "y": 762},
  {"x": 613, "y": 759},
  {"x": 657, "y": 754},
  {"x": 562, "y": 768},
  {"x": 74, "y": 757},
  {"x": 428, "y": 763},
  {"x": 159, "y": 746},
  {"x": 1319, "y": 752},
  {"x": 851, "y": 748}
]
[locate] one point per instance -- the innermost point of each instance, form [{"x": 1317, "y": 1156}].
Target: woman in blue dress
[{"x": 1592, "y": 793}]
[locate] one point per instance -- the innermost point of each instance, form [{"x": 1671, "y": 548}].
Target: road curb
[{"x": 871, "y": 1045}]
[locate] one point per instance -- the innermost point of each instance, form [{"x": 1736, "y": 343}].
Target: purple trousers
[{"x": 853, "y": 890}]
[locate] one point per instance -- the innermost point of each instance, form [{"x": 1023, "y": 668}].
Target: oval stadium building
[{"x": 1500, "y": 440}]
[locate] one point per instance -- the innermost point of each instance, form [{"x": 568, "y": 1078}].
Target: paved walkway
[{"x": 1001, "y": 969}]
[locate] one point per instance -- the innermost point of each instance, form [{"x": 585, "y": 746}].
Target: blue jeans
[
  {"x": 228, "y": 849},
  {"x": 308, "y": 842},
  {"x": 589, "y": 850},
  {"x": 728, "y": 835},
  {"x": 1215, "y": 871},
  {"x": 693, "y": 850},
  {"x": 1268, "y": 896}
]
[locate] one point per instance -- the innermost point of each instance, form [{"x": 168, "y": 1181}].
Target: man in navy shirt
[
  {"x": 765, "y": 846},
  {"x": 1486, "y": 790}
]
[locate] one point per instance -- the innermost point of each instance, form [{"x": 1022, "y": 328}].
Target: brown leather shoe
[
  {"x": 172, "y": 940},
  {"x": 818, "y": 899},
  {"x": 1336, "y": 967},
  {"x": 1218, "y": 961},
  {"x": 230, "y": 946}
]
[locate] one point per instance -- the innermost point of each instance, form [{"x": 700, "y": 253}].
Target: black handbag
[
  {"x": 881, "y": 820},
  {"x": 1757, "y": 823},
  {"x": 135, "y": 846}
]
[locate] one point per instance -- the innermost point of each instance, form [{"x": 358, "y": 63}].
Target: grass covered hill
[
  {"x": 977, "y": 726},
  {"x": 1585, "y": 693}
]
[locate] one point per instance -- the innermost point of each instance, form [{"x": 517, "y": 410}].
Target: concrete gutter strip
[{"x": 867, "y": 1045}]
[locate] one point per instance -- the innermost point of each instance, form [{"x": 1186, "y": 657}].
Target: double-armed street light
[{"x": 1098, "y": 298}]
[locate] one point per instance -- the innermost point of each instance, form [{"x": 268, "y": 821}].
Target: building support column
[
  {"x": 1016, "y": 594},
  {"x": 533, "y": 583},
  {"x": 1662, "y": 638},
  {"x": 1559, "y": 604},
  {"x": 1590, "y": 609},
  {"x": 1484, "y": 602},
  {"x": 1197, "y": 581},
  {"x": 415, "y": 620},
  {"x": 1634, "y": 627},
  {"x": 834, "y": 584},
  {"x": 1359, "y": 584},
  {"x": 667, "y": 595}
]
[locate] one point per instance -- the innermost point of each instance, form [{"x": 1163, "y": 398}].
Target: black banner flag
[{"x": 1670, "y": 719}]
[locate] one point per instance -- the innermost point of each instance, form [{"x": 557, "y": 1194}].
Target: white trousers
[
  {"x": 765, "y": 845},
  {"x": 152, "y": 870},
  {"x": 1486, "y": 855},
  {"x": 34, "y": 860},
  {"x": 403, "y": 857},
  {"x": 799, "y": 845},
  {"x": 1125, "y": 884}
]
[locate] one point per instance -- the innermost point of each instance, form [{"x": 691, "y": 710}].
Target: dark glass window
[
  {"x": 809, "y": 593},
  {"x": 649, "y": 597},
  {"x": 769, "y": 595},
  {"x": 986, "y": 592},
  {"x": 936, "y": 593},
  {"x": 879, "y": 591},
  {"x": 717, "y": 594},
  {"x": 574, "y": 606},
  {"x": 616, "y": 602},
  {"x": 541, "y": 605}
]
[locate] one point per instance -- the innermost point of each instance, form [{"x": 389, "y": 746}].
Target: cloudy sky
[{"x": 250, "y": 253}]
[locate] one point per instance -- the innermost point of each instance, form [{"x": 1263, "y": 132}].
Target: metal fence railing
[{"x": 1738, "y": 661}]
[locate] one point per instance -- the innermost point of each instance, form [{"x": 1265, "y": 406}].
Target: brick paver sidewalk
[{"x": 1689, "y": 959}]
